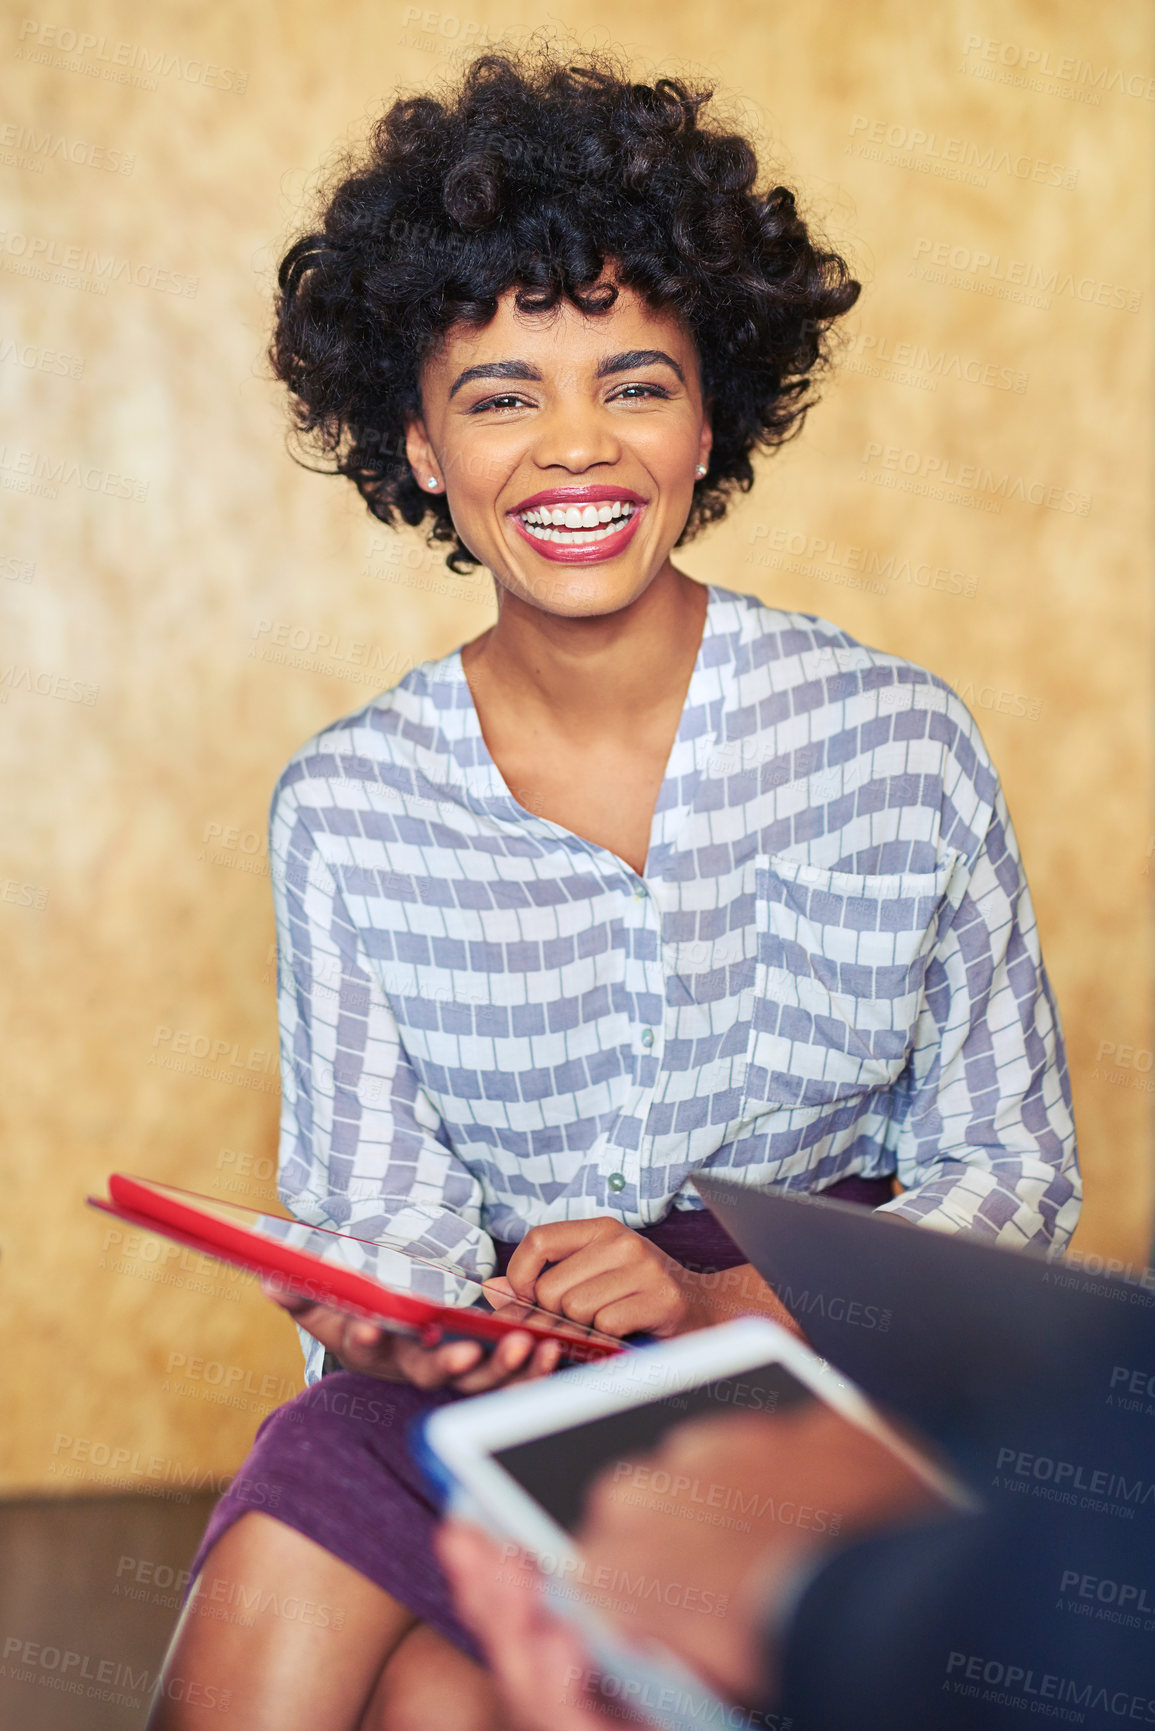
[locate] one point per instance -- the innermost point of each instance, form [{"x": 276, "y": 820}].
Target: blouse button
[
  {"x": 616, "y": 1180},
  {"x": 647, "y": 1037},
  {"x": 640, "y": 891}
]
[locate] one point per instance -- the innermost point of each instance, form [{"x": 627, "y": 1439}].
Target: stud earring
[
  {"x": 700, "y": 470},
  {"x": 433, "y": 480}
]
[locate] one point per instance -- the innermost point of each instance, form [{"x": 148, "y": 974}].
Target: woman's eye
[
  {"x": 628, "y": 393},
  {"x": 643, "y": 391},
  {"x": 510, "y": 400}
]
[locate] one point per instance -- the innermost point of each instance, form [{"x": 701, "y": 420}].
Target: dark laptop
[{"x": 993, "y": 1352}]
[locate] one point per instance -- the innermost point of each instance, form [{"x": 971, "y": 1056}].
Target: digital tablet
[
  {"x": 519, "y": 1461},
  {"x": 380, "y": 1280}
]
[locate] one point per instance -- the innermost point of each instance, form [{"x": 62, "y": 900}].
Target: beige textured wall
[{"x": 155, "y": 533}]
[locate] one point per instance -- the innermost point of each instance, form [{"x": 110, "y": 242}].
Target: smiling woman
[
  {"x": 764, "y": 913},
  {"x": 578, "y": 525},
  {"x": 586, "y": 405},
  {"x": 553, "y": 185},
  {"x": 610, "y": 414}
]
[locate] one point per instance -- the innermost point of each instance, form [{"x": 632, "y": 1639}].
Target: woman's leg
[
  {"x": 277, "y": 1635},
  {"x": 428, "y": 1684}
]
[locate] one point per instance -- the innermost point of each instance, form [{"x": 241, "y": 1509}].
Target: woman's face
[{"x": 567, "y": 445}]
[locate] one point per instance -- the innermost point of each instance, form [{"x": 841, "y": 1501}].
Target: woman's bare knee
[
  {"x": 429, "y": 1682},
  {"x": 279, "y": 1634}
]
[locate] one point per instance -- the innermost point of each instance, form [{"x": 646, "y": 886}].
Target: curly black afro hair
[{"x": 537, "y": 173}]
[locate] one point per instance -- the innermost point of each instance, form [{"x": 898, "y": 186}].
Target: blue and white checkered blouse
[{"x": 830, "y": 967}]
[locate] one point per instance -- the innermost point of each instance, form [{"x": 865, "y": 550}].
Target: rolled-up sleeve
[
  {"x": 981, "y": 1124},
  {"x": 362, "y": 1148}
]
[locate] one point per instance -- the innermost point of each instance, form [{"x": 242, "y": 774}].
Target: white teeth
[
  {"x": 577, "y": 525},
  {"x": 574, "y": 538},
  {"x": 577, "y": 516}
]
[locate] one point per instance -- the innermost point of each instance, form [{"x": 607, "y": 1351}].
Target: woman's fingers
[
  {"x": 612, "y": 1262},
  {"x": 507, "y": 1357},
  {"x": 362, "y": 1336},
  {"x": 545, "y": 1360},
  {"x": 554, "y": 1242},
  {"x": 432, "y": 1367},
  {"x": 636, "y": 1313},
  {"x": 611, "y": 1268},
  {"x": 365, "y": 1347},
  {"x": 518, "y": 1357},
  {"x": 463, "y": 1364}
]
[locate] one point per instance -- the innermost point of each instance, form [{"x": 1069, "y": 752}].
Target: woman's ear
[
  {"x": 426, "y": 468},
  {"x": 706, "y": 440}
]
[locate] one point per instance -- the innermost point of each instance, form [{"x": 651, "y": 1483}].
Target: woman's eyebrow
[
  {"x": 495, "y": 370},
  {"x": 631, "y": 358},
  {"x": 623, "y": 363}
]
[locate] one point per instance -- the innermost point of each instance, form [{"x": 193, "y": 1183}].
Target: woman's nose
[{"x": 576, "y": 435}]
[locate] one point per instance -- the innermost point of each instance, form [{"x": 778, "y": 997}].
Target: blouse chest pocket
[{"x": 839, "y": 968}]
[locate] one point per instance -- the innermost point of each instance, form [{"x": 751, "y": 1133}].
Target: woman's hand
[
  {"x": 603, "y": 1273},
  {"x": 458, "y": 1364},
  {"x": 599, "y": 1272}
]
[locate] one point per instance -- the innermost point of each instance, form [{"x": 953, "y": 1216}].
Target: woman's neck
[
  {"x": 580, "y": 715},
  {"x": 584, "y": 678}
]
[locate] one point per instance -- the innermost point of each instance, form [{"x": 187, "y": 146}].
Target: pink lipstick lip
[
  {"x": 593, "y": 552},
  {"x": 595, "y": 494}
]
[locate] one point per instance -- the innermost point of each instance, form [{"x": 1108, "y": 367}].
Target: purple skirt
[{"x": 336, "y": 1465}]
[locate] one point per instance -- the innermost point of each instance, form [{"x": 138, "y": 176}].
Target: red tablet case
[{"x": 175, "y": 1214}]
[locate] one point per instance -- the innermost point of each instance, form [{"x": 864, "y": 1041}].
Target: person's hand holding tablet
[
  {"x": 382, "y": 1309},
  {"x": 655, "y": 1546},
  {"x": 597, "y": 1272},
  {"x": 804, "y": 1480},
  {"x": 463, "y": 1365}
]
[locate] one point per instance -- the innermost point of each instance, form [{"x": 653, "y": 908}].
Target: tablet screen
[{"x": 557, "y": 1470}]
